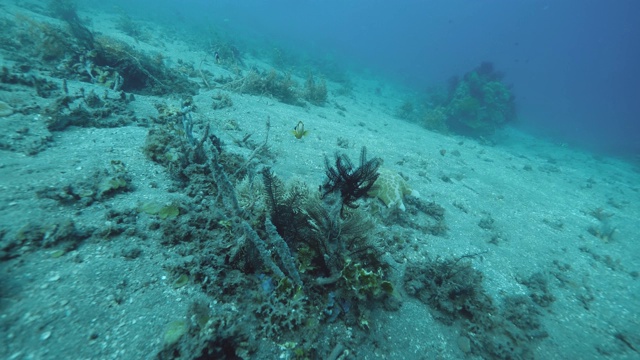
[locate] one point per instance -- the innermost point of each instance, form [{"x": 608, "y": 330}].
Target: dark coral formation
[{"x": 476, "y": 105}]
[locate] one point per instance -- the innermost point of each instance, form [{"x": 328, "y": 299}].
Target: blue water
[{"x": 573, "y": 64}]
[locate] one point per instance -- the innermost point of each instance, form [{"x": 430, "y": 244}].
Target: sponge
[{"x": 390, "y": 188}]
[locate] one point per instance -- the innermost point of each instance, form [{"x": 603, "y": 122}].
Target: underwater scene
[{"x": 363, "y": 179}]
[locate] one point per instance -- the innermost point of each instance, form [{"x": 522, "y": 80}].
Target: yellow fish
[{"x": 299, "y": 131}]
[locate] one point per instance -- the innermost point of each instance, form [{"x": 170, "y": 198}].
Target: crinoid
[{"x": 351, "y": 183}]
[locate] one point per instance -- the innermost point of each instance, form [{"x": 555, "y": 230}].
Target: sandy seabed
[{"x": 114, "y": 237}]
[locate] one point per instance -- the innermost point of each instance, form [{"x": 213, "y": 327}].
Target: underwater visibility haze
[
  {"x": 572, "y": 64},
  {"x": 279, "y": 179}
]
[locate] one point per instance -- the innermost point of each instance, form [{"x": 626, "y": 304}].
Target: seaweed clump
[
  {"x": 315, "y": 92},
  {"x": 140, "y": 73},
  {"x": 220, "y": 333},
  {"x": 66, "y": 11},
  {"x": 74, "y": 52},
  {"x": 272, "y": 84},
  {"x": 453, "y": 289}
]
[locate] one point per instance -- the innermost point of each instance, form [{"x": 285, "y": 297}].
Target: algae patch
[
  {"x": 163, "y": 211},
  {"x": 5, "y": 109},
  {"x": 181, "y": 281},
  {"x": 174, "y": 331}
]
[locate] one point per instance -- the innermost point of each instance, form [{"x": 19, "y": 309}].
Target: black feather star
[{"x": 352, "y": 184}]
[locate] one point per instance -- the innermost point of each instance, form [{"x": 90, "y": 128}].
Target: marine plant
[
  {"x": 331, "y": 236},
  {"x": 221, "y": 333},
  {"x": 221, "y": 101},
  {"x": 315, "y": 92},
  {"x": 113, "y": 181},
  {"x": 309, "y": 258},
  {"x": 283, "y": 306},
  {"x": 162, "y": 211},
  {"x": 453, "y": 289},
  {"x": 63, "y": 9},
  {"x": 333, "y": 243},
  {"x": 41, "y": 40},
  {"x": 285, "y": 204},
  {"x": 280, "y": 86},
  {"x": 141, "y": 72},
  {"x": 362, "y": 283},
  {"x": 129, "y": 27},
  {"x": 66, "y": 10}
]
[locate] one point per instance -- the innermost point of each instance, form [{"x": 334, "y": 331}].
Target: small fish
[{"x": 299, "y": 131}]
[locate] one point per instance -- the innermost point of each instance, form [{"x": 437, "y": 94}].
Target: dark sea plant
[{"x": 350, "y": 182}]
